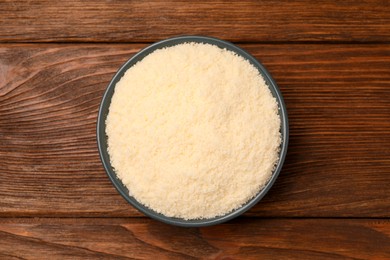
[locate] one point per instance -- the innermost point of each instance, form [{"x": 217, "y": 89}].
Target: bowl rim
[{"x": 102, "y": 138}]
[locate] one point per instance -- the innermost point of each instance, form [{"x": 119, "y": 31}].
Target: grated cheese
[{"x": 193, "y": 131}]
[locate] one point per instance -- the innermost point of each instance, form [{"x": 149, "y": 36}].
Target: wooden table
[{"x": 331, "y": 60}]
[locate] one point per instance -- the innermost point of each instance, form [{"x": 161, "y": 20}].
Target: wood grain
[
  {"x": 245, "y": 238},
  {"x": 239, "y": 21},
  {"x": 337, "y": 97}
]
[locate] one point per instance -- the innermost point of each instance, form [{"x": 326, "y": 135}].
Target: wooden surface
[
  {"x": 244, "y": 238},
  {"x": 331, "y": 61},
  {"x": 244, "y": 21}
]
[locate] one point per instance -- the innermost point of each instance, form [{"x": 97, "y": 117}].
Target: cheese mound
[{"x": 193, "y": 131}]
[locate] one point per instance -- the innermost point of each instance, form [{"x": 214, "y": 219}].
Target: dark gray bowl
[{"x": 102, "y": 138}]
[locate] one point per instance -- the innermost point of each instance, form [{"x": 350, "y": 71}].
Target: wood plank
[
  {"x": 338, "y": 102},
  {"x": 245, "y": 238},
  {"x": 239, "y": 21}
]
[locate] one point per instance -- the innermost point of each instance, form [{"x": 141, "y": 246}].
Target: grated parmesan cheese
[{"x": 193, "y": 131}]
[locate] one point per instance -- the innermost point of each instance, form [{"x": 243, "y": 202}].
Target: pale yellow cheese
[{"x": 193, "y": 131}]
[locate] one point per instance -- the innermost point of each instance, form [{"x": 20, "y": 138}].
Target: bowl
[{"x": 102, "y": 138}]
